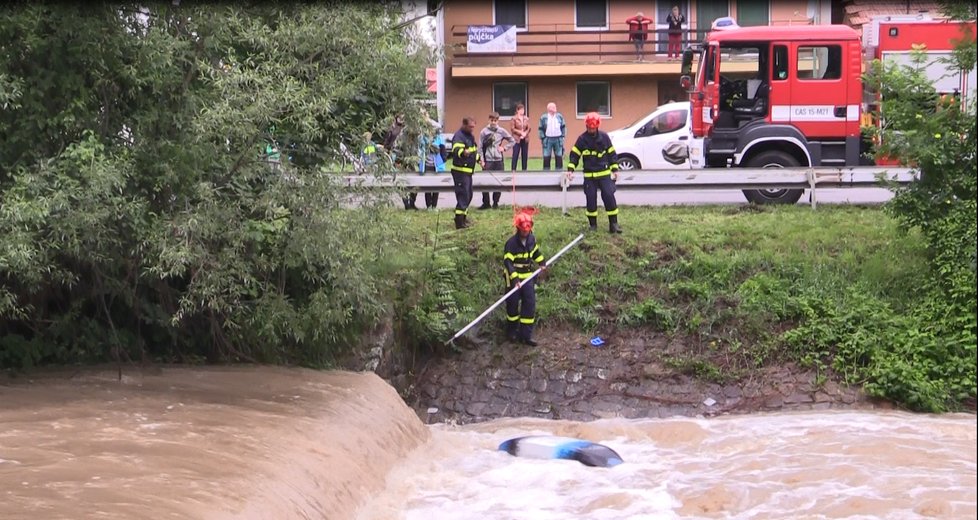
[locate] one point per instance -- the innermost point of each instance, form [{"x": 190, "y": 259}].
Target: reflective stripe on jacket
[
  {"x": 597, "y": 152},
  {"x": 464, "y": 142},
  {"x": 517, "y": 256}
]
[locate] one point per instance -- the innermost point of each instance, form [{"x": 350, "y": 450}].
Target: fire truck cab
[{"x": 774, "y": 97}]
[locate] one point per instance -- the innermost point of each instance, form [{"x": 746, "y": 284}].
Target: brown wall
[
  {"x": 541, "y": 12},
  {"x": 784, "y": 12},
  {"x": 632, "y": 96},
  {"x": 561, "y": 12}
]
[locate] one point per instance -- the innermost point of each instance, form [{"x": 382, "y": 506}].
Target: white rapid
[{"x": 813, "y": 465}]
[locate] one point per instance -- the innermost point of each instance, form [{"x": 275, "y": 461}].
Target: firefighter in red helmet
[
  {"x": 600, "y": 167},
  {"x": 519, "y": 254}
]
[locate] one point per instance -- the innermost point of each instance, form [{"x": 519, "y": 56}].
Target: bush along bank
[{"x": 841, "y": 290}]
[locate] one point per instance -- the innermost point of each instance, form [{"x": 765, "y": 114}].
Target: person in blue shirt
[{"x": 432, "y": 155}]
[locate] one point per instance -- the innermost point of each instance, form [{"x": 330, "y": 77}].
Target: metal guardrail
[{"x": 655, "y": 180}]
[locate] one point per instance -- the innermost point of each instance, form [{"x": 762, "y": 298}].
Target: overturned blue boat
[{"x": 553, "y": 447}]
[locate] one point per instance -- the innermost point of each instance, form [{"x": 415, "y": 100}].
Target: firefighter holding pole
[
  {"x": 519, "y": 254},
  {"x": 523, "y": 306}
]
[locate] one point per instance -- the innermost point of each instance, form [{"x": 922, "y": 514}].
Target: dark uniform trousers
[
  {"x": 592, "y": 185},
  {"x": 463, "y": 192},
  {"x": 465, "y": 154},
  {"x": 521, "y": 306},
  {"x": 599, "y": 161},
  {"x": 521, "y": 310}
]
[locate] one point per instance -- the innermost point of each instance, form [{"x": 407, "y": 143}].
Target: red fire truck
[
  {"x": 780, "y": 96},
  {"x": 893, "y": 39}
]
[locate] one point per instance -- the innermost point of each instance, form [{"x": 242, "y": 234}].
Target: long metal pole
[{"x": 514, "y": 289}]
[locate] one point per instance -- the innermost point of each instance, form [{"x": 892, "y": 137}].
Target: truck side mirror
[
  {"x": 685, "y": 82},
  {"x": 687, "y": 66}
]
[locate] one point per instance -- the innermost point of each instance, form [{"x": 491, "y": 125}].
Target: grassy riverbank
[{"x": 744, "y": 287}]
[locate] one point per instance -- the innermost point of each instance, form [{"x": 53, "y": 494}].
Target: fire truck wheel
[{"x": 773, "y": 159}]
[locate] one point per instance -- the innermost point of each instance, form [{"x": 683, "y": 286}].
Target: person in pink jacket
[{"x": 638, "y": 32}]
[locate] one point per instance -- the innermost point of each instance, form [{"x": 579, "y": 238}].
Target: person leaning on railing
[
  {"x": 675, "y": 20},
  {"x": 638, "y": 31}
]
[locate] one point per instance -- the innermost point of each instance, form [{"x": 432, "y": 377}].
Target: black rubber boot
[
  {"x": 512, "y": 330},
  {"x": 465, "y": 221},
  {"x": 495, "y": 199},
  {"x": 526, "y": 335},
  {"x": 459, "y": 221},
  {"x": 613, "y": 226},
  {"x": 485, "y": 200},
  {"x": 592, "y": 223}
]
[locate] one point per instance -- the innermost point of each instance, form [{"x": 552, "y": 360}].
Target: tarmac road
[{"x": 575, "y": 198}]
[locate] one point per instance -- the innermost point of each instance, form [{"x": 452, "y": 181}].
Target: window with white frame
[
  {"x": 591, "y": 14},
  {"x": 509, "y": 12},
  {"x": 593, "y": 96},
  {"x": 505, "y": 97}
]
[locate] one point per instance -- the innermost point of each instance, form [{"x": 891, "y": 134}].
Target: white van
[{"x": 643, "y": 145}]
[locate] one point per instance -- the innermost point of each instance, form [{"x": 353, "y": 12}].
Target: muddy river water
[{"x": 278, "y": 443}]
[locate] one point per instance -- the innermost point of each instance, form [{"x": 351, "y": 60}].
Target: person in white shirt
[{"x": 552, "y": 132}]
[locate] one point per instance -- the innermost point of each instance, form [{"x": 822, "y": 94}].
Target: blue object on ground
[{"x": 597, "y": 341}]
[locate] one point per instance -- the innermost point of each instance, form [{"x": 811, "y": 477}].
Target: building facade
[{"x": 577, "y": 55}]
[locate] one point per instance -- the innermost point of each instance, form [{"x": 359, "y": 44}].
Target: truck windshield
[{"x": 706, "y": 66}]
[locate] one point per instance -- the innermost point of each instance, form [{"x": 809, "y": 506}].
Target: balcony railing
[{"x": 562, "y": 43}]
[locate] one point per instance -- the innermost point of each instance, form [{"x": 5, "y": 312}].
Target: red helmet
[
  {"x": 523, "y": 221},
  {"x": 592, "y": 120}
]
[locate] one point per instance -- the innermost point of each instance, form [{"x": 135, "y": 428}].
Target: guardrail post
[
  {"x": 564, "y": 184},
  {"x": 811, "y": 183}
]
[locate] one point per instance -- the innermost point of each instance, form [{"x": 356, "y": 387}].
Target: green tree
[
  {"x": 936, "y": 136},
  {"x": 138, "y": 216}
]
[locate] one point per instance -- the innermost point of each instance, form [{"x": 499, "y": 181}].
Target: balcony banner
[{"x": 491, "y": 38}]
